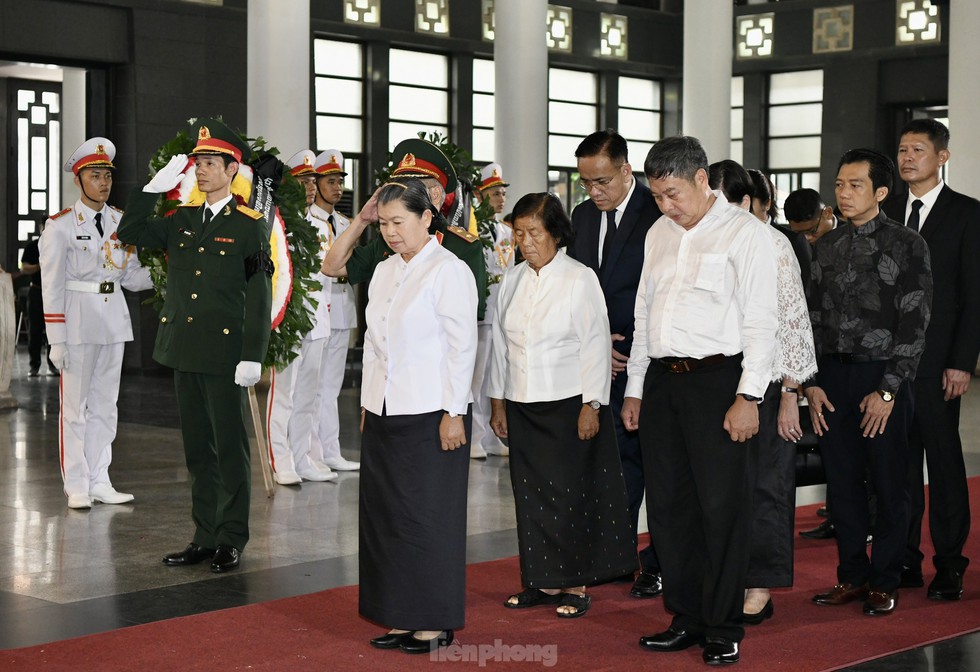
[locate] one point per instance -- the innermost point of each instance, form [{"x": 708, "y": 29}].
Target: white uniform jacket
[
  {"x": 343, "y": 310},
  {"x": 82, "y": 276}
]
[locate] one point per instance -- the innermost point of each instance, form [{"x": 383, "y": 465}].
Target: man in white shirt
[
  {"x": 84, "y": 268},
  {"x": 701, "y": 360},
  {"x": 292, "y": 393},
  {"x": 329, "y": 177}
]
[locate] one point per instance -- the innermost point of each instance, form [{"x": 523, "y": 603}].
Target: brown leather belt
[{"x": 688, "y": 364}]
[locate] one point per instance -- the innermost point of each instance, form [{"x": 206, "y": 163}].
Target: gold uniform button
[
  {"x": 197, "y": 272},
  {"x": 226, "y": 331},
  {"x": 200, "y": 249},
  {"x": 193, "y": 296},
  {"x": 163, "y": 319},
  {"x": 222, "y": 253},
  {"x": 190, "y": 319},
  {"x": 180, "y": 245}
]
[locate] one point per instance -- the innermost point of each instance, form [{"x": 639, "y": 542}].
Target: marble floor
[{"x": 66, "y": 573}]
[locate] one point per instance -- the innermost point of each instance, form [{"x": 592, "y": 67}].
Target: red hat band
[
  {"x": 420, "y": 166},
  {"x": 215, "y": 146},
  {"x": 92, "y": 160}
]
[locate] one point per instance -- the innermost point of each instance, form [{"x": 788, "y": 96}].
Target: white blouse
[
  {"x": 795, "y": 357},
  {"x": 551, "y": 335},
  {"x": 420, "y": 345}
]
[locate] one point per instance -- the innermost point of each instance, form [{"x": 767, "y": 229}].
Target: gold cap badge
[{"x": 203, "y": 134}]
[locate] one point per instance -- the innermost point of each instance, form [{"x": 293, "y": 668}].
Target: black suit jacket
[
  {"x": 620, "y": 275},
  {"x": 952, "y": 231}
]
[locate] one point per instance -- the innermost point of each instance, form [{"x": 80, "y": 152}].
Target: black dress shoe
[
  {"x": 647, "y": 584},
  {"x": 842, "y": 593},
  {"x": 225, "y": 559},
  {"x": 391, "y": 640},
  {"x": 670, "y": 640},
  {"x": 413, "y": 645},
  {"x": 822, "y": 512},
  {"x": 191, "y": 555},
  {"x": 947, "y": 585},
  {"x": 720, "y": 651},
  {"x": 756, "y": 619},
  {"x": 824, "y": 530},
  {"x": 911, "y": 578},
  {"x": 880, "y": 603}
]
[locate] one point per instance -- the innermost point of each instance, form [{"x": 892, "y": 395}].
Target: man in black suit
[
  {"x": 950, "y": 224},
  {"x": 610, "y": 229}
]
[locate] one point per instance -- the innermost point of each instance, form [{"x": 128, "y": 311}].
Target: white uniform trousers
[
  {"x": 88, "y": 414},
  {"x": 483, "y": 437},
  {"x": 326, "y": 440},
  {"x": 291, "y": 410}
]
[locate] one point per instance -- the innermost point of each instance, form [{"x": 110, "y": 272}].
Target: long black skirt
[
  {"x": 773, "y": 501},
  {"x": 412, "y": 527},
  {"x": 573, "y": 521}
]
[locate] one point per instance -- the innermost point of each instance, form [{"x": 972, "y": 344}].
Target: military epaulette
[
  {"x": 59, "y": 214},
  {"x": 119, "y": 210},
  {"x": 462, "y": 233},
  {"x": 254, "y": 214}
]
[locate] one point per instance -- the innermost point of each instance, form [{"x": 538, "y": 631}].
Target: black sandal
[
  {"x": 580, "y": 603},
  {"x": 532, "y": 597}
]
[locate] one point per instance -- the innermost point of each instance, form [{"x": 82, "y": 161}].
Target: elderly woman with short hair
[{"x": 549, "y": 393}]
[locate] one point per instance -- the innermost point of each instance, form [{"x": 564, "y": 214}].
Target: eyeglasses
[{"x": 599, "y": 183}]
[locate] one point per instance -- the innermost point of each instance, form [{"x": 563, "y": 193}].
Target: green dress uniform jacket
[
  {"x": 213, "y": 316},
  {"x": 217, "y": 312},
  {"x": 365, "y": 258}
]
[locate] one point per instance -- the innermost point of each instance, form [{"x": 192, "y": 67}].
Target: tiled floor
[{"x": 67, "y": 573}]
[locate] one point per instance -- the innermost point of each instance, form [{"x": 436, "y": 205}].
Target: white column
[
  {"x": 8, "y": 340},
  {"x": 72, "y": 129},
  {"x": 520, "y": 58},
  {"x": 707, "y": 84},
  {"x": 278, "y": 89},
  {"x": 964, "y": 91}
]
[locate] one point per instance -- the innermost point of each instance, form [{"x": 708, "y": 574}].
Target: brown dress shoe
[
  {"x": 842, "y": 593},
  {"x": 880, "y": 603}
]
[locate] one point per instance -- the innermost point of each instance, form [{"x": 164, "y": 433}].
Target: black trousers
[
  {"x": 936, "y": 432},
  {"x": 631, "y": 457},
  {"x": 883, "y": 459},
  {"x": 35, "y": 321},
  {"x": 699, "y": 490}
]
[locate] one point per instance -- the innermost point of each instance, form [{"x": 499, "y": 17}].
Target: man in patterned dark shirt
[{"x": 869, "y": 304}]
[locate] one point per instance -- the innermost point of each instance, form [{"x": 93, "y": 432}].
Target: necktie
[
  {"x": 913, "y": 222},
  {"x": 98, "y": 223},
  {"x": 333, "y": 229},
  {"x": 610, "y": 234},
  {"x": 207, "y": 215}
]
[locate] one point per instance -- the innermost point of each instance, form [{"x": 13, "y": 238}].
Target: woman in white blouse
[
  {"x": 774, "y": 495},
  {"x": 419, "y": 353},
  {"x": 549, "y": 395}
]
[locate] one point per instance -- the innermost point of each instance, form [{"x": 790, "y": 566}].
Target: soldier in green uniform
[
  {"x": 421, "y": 159},
  {"x": 214, "y": 330}
]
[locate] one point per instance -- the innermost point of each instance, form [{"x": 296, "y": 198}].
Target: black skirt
[
  {"x": 412, "y": 527},
  {"x": 573, "y": 521}
]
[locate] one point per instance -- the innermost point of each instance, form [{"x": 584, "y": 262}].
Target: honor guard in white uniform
[
  {"x": 292, "y": 395},
  {"x": 329, "y": 167},
  {"x": 500, "y": 257},
  {"x": 84, "y": 267}
]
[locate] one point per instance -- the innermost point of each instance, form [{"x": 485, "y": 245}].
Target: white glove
[
  {"x": 247, "y": 373},
  {"x": 59, "y": 356},
  {"x": 169, "y": 176}
]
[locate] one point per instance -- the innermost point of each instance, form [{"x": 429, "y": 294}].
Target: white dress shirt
[
  {"x": 420, "y": 345},
  {"x": 550, "y": 335},
  {"x": 928, "y": 201},
  {"x": 706, "y": 291},
  {"x": 620, "y": 210}
]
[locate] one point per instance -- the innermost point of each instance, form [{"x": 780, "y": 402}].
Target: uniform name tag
[
  {"x": 189, "y": 234},
  {"x": 83, "y": 237},
  {"x": 224, "y": 240}
]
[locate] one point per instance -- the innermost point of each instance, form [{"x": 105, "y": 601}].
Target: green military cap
[
  {"x": 420, "y": 158},
  {"x": 213, "y": 137}
]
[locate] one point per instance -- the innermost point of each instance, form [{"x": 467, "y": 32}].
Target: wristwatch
[
  {"x": 594, "y": 404},
  {"x": 886, "y": 395},
  {"x": 749, "y": 397}
]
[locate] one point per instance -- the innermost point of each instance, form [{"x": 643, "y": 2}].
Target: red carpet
[{"x": 323, "y": 632}]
